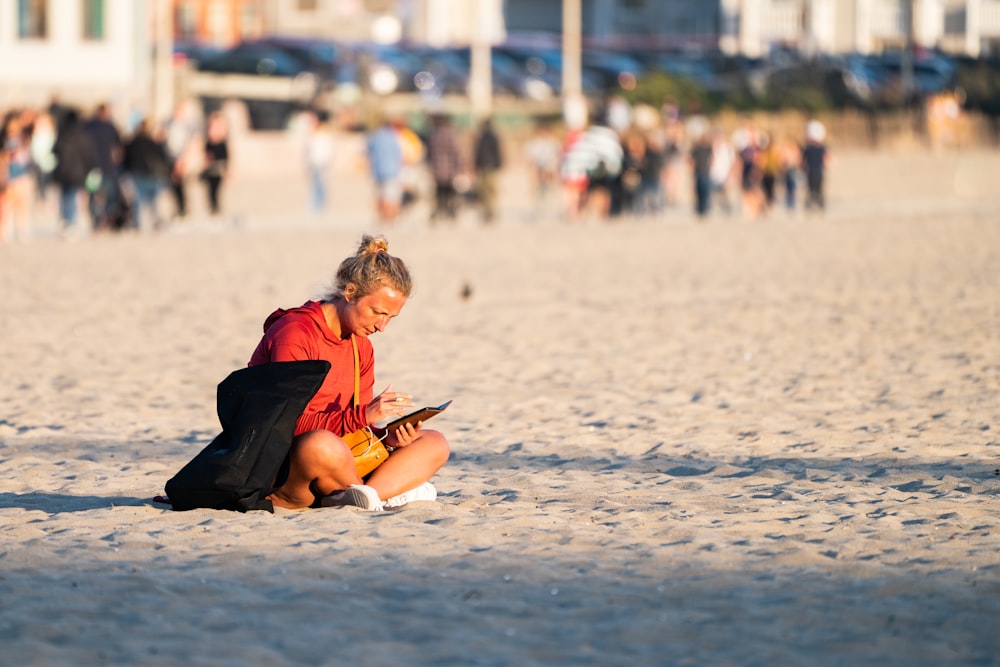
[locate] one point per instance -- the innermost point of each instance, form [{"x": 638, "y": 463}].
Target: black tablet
[{"x": 421, "y": 415}]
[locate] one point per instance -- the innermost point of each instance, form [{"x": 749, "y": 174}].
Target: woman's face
[{"x": 371, "y": 313}]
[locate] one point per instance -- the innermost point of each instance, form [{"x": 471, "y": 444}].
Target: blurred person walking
[
  {"x": 751, "y": 196},
  {"x": 701, "y": 167},
  {"x": 487, "y": 158},
  {"x": 543, "y": 152},
  {"x": 183, "y": 151},
  {"x": 673, "y": 154},
  {"x": 148, "y": 168},
  {"x": 43, "y": 140},
  {"x": 815, "y": 160},
  {"x": 642, "y": 165},
  {"x": 318, "y": 158},
  {"x": 791, "y": 164},
  {"x": 573, "y": 175},
  {"x": 633, "y": 161},
  {"x": 604, "y": 171},
  {"x": 76, "y": 159},
  {"x": 18, "y": 190},
  {"x": 4, "y": 166},
  {"x": 593, "y": 162},
  {"x": 385, "y": 159},
  {"x": 107, "y": 207},
  {"x": 216, "y": 159},
  {"x": 770, "y": 165},
  {"x": 446, "y": 164},
  {"x": 414, "y": 153},
  {"x": 650, "y": 198},
  {"x": 57, "y": 111},
  {"x": 721, "y": 170}
]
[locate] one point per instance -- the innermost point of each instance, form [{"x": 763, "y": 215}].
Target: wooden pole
[
  {"x": 163, "y": 65},
  {"x": 481, "y": 70},
  {"x": 908, "y": 81},
  {"x": 572, "y": 78}
]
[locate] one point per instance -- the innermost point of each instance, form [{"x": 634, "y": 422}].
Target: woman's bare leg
[
  {"x": 320, "y": 464},
  {"x": 409, "y": 467}
]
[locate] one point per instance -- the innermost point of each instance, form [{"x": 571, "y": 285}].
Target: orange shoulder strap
[{"x": 357, "y": 373}]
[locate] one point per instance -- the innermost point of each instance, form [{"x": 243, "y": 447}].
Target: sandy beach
[{"x": 674, "y": 443}]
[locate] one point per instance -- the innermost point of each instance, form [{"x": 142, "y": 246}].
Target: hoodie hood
[{"x": 312, "y": 310}]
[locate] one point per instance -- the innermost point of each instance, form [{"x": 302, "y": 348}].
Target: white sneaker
[
  {"x": 425, "y": 491},
  {"x": 356, "y": 495}
]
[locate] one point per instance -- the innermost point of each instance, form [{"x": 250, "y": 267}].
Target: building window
[
  {"x": 32, "y": 19},
  {"x": 93, "y": 19}
]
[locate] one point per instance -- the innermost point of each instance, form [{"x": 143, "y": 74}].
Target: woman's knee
[
  {"x": 436, "y": 445},
  {"x": 322, "y": 450}
]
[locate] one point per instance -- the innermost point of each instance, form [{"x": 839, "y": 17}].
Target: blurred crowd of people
[
  {"x": 92, "y": 175},
  {"x": 399, "y": 158},
  {"x": 92, "y": 164},
  {"x": 625, "y": 164},
  {"x": 619, "y": 163}
]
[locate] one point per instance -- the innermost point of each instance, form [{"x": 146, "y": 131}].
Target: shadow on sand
[{"x": 54, "y": 503}]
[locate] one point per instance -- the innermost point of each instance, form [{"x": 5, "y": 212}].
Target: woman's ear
[{"x": 349, "y": 291}]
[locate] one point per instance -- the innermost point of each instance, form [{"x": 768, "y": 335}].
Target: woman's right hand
[
  {"x": 404, "y": 435},
  {"x": 388, "y": 404}
]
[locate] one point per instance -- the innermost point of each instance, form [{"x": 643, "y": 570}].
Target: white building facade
[
  {"x": 90, "y": 51},
  {"x": 85, "y": 51},
  {"x": 757, "y": 27}
]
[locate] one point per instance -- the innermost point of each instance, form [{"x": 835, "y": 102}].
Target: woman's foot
[
  {"x": 356, "y": 495},
  {"x": 425, "y": 491}
]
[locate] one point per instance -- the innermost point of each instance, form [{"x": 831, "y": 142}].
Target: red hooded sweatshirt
[{"x": 302, "y": 333}]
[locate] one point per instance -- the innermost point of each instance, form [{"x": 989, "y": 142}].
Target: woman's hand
[
  {"x": 388, "y": 404},
  {"x": 404, "y": 435}
]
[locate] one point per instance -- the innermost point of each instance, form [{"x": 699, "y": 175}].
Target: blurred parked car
[
  {"x": 271, "y": 81},
  {"x": 522, "y": 82},
  {"x": 814, "y": 84},
  {"x": 616, "y": 69},
  {"x": 710, "y": 71},
  {"x": 878, "y": 79},
  {"x": 545, "y": 64},
  {"x": 507, "y": 75},
  {"x": 390, "y": 69},
  {"x": 320, "y": 56},
  {"x": 191, "y": 52},
  {"x": 444, "y": 71},
  {"x": 932, "y": 72},
  {"x": 680, "y": 64}
]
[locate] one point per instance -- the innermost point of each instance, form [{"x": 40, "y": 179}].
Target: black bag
[{"x": 258, "y": 408}]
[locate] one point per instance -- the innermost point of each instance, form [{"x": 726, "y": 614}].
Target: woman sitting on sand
[{"x": 371, "y": 288}]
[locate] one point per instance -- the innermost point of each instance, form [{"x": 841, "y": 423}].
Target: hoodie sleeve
[{"x": 321, "y": 415}]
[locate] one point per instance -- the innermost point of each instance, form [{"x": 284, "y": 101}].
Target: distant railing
[{"x": 897, "y": 129}]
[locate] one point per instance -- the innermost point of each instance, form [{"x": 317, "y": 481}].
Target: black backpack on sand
[{"x": 258, "y": 408}]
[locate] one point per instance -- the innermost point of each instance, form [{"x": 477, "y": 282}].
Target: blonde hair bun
[{"x": 372, "y": 245}]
